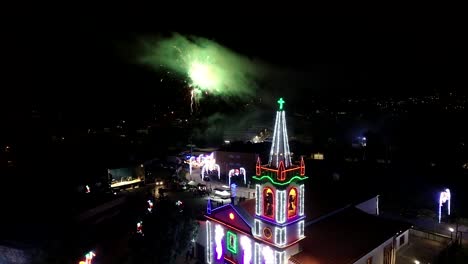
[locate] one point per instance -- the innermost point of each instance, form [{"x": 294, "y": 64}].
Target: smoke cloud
[{"x": 208, "y": 66}]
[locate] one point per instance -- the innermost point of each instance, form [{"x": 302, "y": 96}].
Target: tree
[{"x": 168, "y": 232}]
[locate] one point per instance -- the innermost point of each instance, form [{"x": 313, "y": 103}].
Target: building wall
[
  {"x": 406, "y": 235},
  {"x": 210, "y": 251},
  {"x": 377, "y": 254},
  {"x": 370, "y": 206}
]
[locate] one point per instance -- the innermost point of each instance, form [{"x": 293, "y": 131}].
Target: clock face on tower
[{"x": 267, "y": 232}]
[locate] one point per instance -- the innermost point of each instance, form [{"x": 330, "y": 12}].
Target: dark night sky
[{"x": 82, "y": 58}]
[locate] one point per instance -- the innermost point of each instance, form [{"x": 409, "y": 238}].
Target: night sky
[{"x": 75, "y": 59}]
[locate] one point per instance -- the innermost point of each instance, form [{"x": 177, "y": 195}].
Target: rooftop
[{"x": 349, "y": 227}]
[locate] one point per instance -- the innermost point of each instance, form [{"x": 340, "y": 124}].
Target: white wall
[
  {"x": 377, "y": 254},
  {"x": 406, "y": 235},
  {"x": 370, "y": 206}
]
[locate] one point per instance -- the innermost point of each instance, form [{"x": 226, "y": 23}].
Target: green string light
[{"x": 279, "y": 183}]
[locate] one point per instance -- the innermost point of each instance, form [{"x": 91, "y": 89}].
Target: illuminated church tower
[
  {"x": 270, "y": 235},
  {"x": 279, "y": 194}
]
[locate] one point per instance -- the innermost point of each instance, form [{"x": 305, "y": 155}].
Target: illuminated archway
[
  {"x": 292, "y": 203},
  {"x": 268, "y": 203}
]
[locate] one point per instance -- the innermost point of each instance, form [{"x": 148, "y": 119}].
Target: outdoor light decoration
[
  {"x": 231, "y": 216},
  {"x": 150, "y": 206},
  {"x": 219, "y": 234},
  {"x": 301, "y": 200},
  {"x": 237, "y": 172},
  {"x": 209, "y": 244},
  {"x": 246, "y": 245},
  {"x": 258, "y": 200},
  {"x": 279, "y": 257},
  {"x": 280, "y": 236},
  {"x": 210, "y": 165},
  {"x": 208, "y": 206},
  {"x": 268, "y": 255},
  {"x": 191, "y": 160},
  {"x": 231, "y": 242},
  {"x": 281, "y": 206},
  {"x": 280, "y": 183},
  {"x": 280, "y": 132},
  {"x": 140, "y": 228},
  {"x": 88, "y": 258},
  {"x": 88, "y": 190},
  {"x": 258, "y": 227},
  {"x": 443, "y": 198},
  {"x": 233, "y": 190},
  {"x": 300, "y": 229},
  {"x": 180, "y": 205}
]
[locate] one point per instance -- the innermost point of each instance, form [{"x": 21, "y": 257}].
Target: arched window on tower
[
  {"x": 292, "y": 203},
  {"x": 268, "y": 203}
]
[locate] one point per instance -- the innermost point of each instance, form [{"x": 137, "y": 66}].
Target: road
[{"x": 214, "y": 182}]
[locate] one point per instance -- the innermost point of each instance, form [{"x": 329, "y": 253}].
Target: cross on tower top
[{"x": 281, "y": 102}]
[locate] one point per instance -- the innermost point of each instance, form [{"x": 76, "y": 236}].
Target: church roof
[
  {"x": 280, "y": 144},
  {"x": 345, "y": 237},
  {"x": 233, "y": 216}
]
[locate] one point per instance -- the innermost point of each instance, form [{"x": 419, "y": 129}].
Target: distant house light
[
  {"x": 227, "y": 142},
  {"x": 318, "y": 156}
]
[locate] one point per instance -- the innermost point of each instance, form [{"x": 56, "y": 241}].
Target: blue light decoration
[
  {"x": 233, "y": 190},
  {"x": 208, "y": 206}
]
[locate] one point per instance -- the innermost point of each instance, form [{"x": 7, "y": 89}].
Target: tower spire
[{"x": 280, "y": 144}]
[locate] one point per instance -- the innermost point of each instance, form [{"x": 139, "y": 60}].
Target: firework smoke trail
[
  {"x": 191, "y": 101},
  {"x": 209, "y": 67}
]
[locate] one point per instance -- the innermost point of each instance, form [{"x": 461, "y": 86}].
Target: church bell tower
[{"x": 279, "y": 194}]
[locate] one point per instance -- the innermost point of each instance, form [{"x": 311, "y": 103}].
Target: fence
[{"x": 446, "y": 240}]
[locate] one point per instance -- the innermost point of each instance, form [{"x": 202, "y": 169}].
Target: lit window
[
  {"x": 231, "y": 241},
  {"x": 292, "y": 203},
  {"x": 268, "y": 203}
]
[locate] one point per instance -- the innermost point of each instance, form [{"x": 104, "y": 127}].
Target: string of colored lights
[
  {"x": 280, "y": 183},
  {"x": 287, "y": 154},
  {"x": 279, "y": 257},
  {"x": 273, "y": 141},
  {"x": 281, "y": 206},
  {"x": 300, "y": 229},
  {"x": 280, "y": 236},
  {"x": 258, "y": 200},
  {"x": 209, "y": 252},
  {"x": 257, "y": 253},
  {"x": 301, "y": 199}
]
